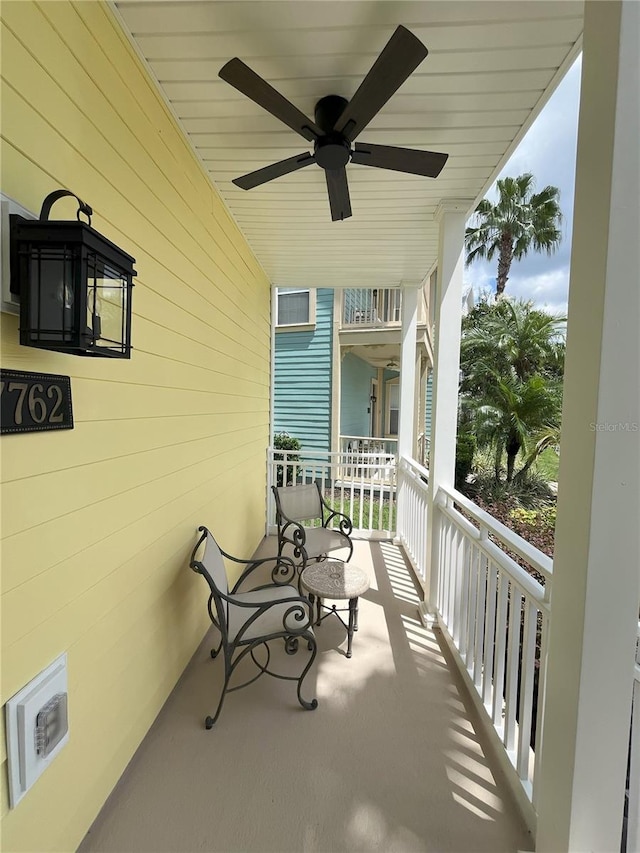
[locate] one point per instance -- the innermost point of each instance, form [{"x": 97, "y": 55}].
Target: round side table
[{"x": 337, "y": 581}]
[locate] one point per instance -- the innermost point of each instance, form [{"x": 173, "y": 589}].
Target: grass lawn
[{"x": 370, "y": 519}]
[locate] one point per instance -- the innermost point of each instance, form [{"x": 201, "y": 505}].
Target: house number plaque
[{"x": 34, "y": 401}]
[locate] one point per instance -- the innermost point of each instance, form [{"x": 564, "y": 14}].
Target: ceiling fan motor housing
[{"x": 332, "y": 150}]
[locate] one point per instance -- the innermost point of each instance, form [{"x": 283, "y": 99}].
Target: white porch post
[
  {"x": 596, "y": 582},
  {"x": 452, "y": 216},
  {"x": 272, "y": 394},
  {"x": 406, "y": 420},
  {"x": 336, "y": 371}
]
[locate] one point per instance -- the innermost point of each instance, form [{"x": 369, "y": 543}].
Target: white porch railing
[
  {"x": 424, "y": 443},
  {"x": 371, "y": 307},
  {"x": 362, "y": 485},
  {"x": 413, "y": 482},
  {"x": 497, "y": 617},
  {"x": 494, "y": 614},
  {"x": 368, "y": 444}
]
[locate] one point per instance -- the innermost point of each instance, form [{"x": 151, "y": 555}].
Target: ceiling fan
[{"x": 339, "y": 121}]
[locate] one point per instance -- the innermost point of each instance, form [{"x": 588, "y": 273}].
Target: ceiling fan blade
[
  {"x": 241, "y": 77},
  {"x": 338, "y": 190},
  {"x": 399, "y": 58},
  {"x": 427, "y": 163},
  {"x": 275, "y": 170}
]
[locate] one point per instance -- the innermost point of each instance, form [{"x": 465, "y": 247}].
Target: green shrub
[
  {"x": 544, "y": 515},
  {"x": 284, "y": 441},
  {"x": 465, "y": 450}
]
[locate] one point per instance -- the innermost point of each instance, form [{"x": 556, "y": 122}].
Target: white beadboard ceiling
[{"x": 491, "y": 67}]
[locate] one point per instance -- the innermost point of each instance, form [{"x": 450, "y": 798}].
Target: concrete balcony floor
[{"x": 391, "y": 760}]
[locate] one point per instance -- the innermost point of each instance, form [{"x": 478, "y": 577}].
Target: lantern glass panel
[
  {"x": 52, "y": 305},
  {"x": 107, "y": 291}
]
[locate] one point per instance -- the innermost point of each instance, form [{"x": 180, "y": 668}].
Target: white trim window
[{"x": 296, "y": 307}]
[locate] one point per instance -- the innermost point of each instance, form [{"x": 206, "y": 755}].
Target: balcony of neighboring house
[
  {"x": 368, "y": 354},
  {"x": 377, "y": 307},
  {"x": 374, "y": 316}
]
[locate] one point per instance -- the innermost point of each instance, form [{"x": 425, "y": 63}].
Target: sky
[{"x": 548, "y": 151}]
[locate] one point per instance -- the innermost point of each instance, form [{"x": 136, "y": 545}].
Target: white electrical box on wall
[{"x": 37, "y": 727}]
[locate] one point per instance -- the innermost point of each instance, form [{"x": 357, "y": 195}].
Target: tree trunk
[
  {"x": 504, "y": 263},
  {"x": 522, "y": 473},
  {"x": 498, "y": 459},
  {"x": 513, "y": 446}
]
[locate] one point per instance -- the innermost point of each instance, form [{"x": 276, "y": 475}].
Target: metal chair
[
  {"x": 295, "y": 504},
  {"x": 248, "y": 620}
]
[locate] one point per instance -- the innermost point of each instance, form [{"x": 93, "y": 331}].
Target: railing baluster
[
  {"x": 440, "y": 568},
  {"x": 500, "y": 649},
  {"x": 473, "y": 596},
  {"x": 539, "y": 701},
  {"x": 449, "y": 570},
  {"x": 481, "y": 605},
  {"x": 513, "y": 661},
  {"x": 371, "y": 491},
  {"x": 444, "y": 571},
  {"x": 527, "y": 667},
  {"x": 456, "y": 586},
  {"x": 489, "y": 633}
]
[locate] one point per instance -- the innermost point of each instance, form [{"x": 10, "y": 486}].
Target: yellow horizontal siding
[{"x": 98, "y": 522}]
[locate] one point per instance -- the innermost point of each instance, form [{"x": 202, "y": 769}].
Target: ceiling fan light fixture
[{"x": 332, "y": 151}]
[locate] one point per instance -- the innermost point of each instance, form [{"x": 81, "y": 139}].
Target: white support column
[
  {"x": 272, "y": 394},
  {"x": 421, "y": 382},
  {"x": 336, "y": 371},
  {"x": 452, "y": 216},
  {"x": 406, "y": 420},
  {"x": 596, "y": 584}
]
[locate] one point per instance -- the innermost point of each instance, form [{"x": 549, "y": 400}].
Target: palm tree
[
  {"x": 511, "y": 358},
  {"x": 512, "y": 413},
  {"x": 511, "y": 334},
  {"x": 521, "y": 220}
]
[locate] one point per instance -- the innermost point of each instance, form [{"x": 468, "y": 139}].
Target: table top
[{"x": 335, "y": 579}]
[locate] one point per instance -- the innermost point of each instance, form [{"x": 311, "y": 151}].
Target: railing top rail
[
  {"x": 311, "y": 455},
  {"x": 413, "y": 466},
  {"x": 368, "y": 438},
  {"x": 536, "y": 559}
]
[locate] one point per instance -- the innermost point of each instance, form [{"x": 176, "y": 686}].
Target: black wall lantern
[{"x": 74, "y": 285}]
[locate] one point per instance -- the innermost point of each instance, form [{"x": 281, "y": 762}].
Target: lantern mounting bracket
[{"x": 53, "y": 197}]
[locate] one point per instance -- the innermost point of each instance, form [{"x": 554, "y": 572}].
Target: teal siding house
[
  {"x": 303, "y": 368},
  {"x": 336, "y": 367}
]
